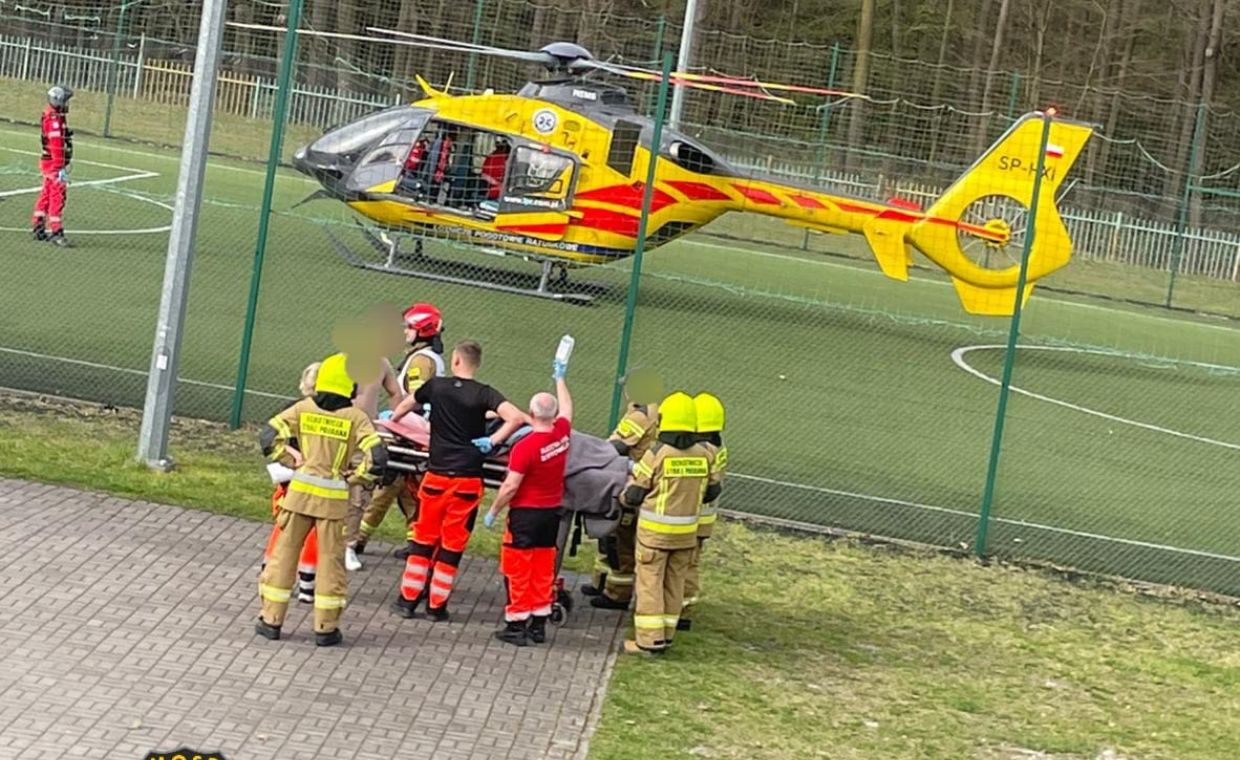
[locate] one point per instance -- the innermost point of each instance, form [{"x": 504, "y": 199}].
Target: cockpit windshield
[{"x": 357, "y": 135}]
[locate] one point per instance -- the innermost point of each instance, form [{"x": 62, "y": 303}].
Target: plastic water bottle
[{"x": 565, "y": 350}]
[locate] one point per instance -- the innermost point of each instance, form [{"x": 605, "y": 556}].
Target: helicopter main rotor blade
[
  {"x": 439, "y": 43},
  {"x": 678, "y": 81}
]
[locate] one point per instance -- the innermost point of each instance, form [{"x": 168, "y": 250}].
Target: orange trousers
[
  {"x": 527, "y": 560},
  {"x": 308, "y": 562},
  {"x": 448, "y": 507}
]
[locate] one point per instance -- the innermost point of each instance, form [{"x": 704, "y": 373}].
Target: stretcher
[{"x": 594, "y": 477}]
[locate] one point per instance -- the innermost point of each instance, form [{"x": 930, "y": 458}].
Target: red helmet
[{"x": 425, "y": 319}]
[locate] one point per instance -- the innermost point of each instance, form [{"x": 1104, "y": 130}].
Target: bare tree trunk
[
  {"x": 1121, "y": 78},
  {"x": 936, "y": 90},
  {"x": 1101, "y": 62},
  {"x": 402, "y": 62},
  {"x": 861, "y": 78},
  {"x": 1041, "y": 23},
  {"x": 321, "y": 58},
  {"x": 346, "y": 22},
  {"x": 980, "y": 35},
  {"x": 1209, "y": 78},
  {"x": 1190, "y": 98},
  {"x": 992, "y": 68},
  {"x": 895, "y": 28}
]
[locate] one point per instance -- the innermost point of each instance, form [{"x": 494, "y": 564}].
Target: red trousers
[
  {"x": 527, "y": 560},
  {"x": 447, "y": 509},
  {"x": 50, "y": 207}
]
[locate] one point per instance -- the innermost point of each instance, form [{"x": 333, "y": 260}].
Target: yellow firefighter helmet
[
  {"x": 677, "y": 414},
  {"x": 709, "y": 413},
  {"x": 334, "y": 376}
]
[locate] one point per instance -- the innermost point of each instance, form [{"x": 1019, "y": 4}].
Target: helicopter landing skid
[{"x": 397, "y": 262}]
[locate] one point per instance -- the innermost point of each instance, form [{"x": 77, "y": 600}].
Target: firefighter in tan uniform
[
  {"x": 424, "y": 333},
  {"x": 612, "y": 586},
  {"x": 710, "y": 419},
  {"x": 329, "y": 430},
  {"x": 668, "y": 488}
]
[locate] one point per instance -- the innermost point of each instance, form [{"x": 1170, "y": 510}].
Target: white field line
[
  {"x": 128, "y": 371},
  {"x": 743, "y": 476},
  {"x": 974, "y": 516},
  {"x": 176, "y": 159},
  {"x": 87, "y": 183},
  {"x": 81, "y": 161},
  {"x": 958, "y": 358},
  {"x": 936, "y": 283}
]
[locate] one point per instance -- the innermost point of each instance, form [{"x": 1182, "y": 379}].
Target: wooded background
[{"x": 941, "y": 78}]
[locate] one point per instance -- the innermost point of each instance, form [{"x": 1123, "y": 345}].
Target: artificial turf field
[{"x": 846, "y": 407}]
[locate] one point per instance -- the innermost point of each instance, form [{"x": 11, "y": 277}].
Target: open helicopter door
[{"x": 537, "y": 193}]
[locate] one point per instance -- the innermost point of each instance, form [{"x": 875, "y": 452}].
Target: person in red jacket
[{"x": 57, "y": 141}]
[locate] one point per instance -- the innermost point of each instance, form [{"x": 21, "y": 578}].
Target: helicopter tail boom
[{"x": 976, "y": 230}]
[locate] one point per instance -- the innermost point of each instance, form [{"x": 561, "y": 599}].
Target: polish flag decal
[{"x": 1054, "y": 151}]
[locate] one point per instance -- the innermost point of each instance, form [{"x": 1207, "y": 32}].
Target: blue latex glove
[
  {"x": 426, "y": 411},
  {"x": 386, "y": 414},
  {"x": 489, "y": 520},
  {"x": 484, "y": 444},
  {"x": 62, "y": 177},
  {"x": 558, "y": 369}
]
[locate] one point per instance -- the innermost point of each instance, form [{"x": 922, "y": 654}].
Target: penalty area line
[
  {"x": 87, "y": 183},
  {"x": 974, "y": 516}
]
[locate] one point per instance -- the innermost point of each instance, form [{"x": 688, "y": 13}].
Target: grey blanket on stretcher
[{"x": 593, "y": 479}]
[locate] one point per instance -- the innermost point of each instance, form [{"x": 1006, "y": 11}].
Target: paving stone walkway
[{"x": 127, "y": 627}]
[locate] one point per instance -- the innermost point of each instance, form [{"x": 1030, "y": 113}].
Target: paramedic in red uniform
[
  {"x": 451, "y": 489},
  {"x": 57, "y": 141},
  {"x": 493, "y": 168},
  {"x": 534, "y": 487}
]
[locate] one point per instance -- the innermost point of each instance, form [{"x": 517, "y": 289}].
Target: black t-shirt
[{"x": 458, "y": 416}]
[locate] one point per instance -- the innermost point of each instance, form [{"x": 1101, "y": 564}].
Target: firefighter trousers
[
  {"x": 308, "y": 560},
  {"x": 275, "y": 585},
  {"x": 660, "y": 594},
  {"x": 693, "y": 581},
  {"x": 527, "y": 560},
  {"x": 49, "y": 208},
  {"x": 447, "y": 509},
  {"x": 620, "y": 578},
  {"x": 401, "y": 492}
]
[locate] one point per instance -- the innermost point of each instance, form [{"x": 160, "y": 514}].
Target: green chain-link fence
[{"x": 855, "y": 402}]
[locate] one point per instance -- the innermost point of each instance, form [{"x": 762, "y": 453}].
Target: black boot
[
  {"x": 590, "y": 589},
  {"x": 538, "y": 629},
  {"x": 39, "y": 232},
  {"x": 267, "y": 630},
  {"x": 438, "y": 614},
  {"x": 513, "y": 633},
  {"x": 405, "y": 608},
  {"x": 401, "y": 552},
  {"x": 328, "y": 639},
  {"x": 684, "y": 625},
  {"x": 58, "y": 239},
  {"x": 604, "y": 602}
]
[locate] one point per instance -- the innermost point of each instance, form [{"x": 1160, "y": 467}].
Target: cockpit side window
[{"x": 624, "y": 140}]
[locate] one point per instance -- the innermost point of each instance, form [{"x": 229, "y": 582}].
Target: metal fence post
[
  {"x": 165, "y": 354},
  {"x": 1181, "y": 223},
  {"x": 116, "y": 54},
  {"x": 26, "y": 59},
  {"x": 630, "y": 307},
  {"x": 1009, "y": 356},
  {"x": 659, "y": 29},
  {"x": 140, "y": 66},
  {"x": 682, "y": 63},
  {"x": 1013, "y": 94},
  {"x": 288, "y": 60},
  {"x": 479, "y": 5},
  {"x": 824, "y": 130}
]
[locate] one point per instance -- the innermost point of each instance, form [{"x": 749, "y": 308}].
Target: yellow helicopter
[{"x": 556, "y": 173}]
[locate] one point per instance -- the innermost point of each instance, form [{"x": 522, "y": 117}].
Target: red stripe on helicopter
[
  {"x": 535, "y": 229},
  {"x": 628, "y": 195},
  {"x": 608, "y": 221},
  {"x": 806, "y": 202},
  {"x": 757, "y": 195},
  {"x": 903, "y": 216},
  {"x": 698, "y": 191}
]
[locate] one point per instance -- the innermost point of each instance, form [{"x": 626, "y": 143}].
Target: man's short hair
[
  {"x": 544, "y": 406},
  {"x": 470, "y": 352}
]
